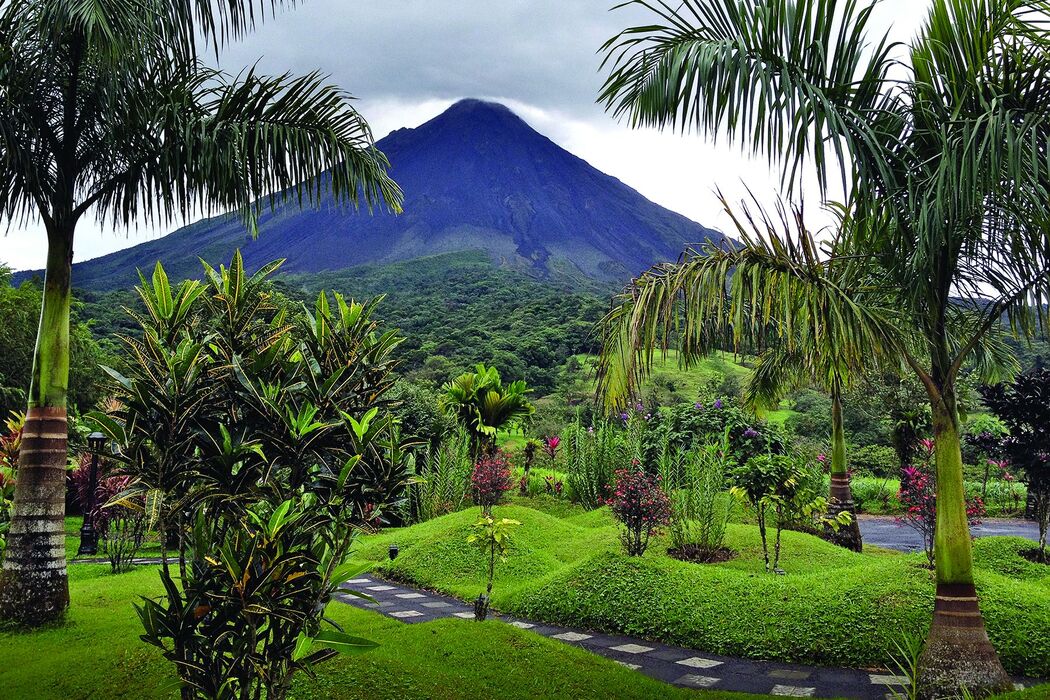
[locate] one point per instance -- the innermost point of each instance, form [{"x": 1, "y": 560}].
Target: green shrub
[{"x": 874, "y": 460}]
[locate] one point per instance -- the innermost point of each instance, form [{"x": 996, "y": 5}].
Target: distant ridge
[{"x": 476, "y": 177}]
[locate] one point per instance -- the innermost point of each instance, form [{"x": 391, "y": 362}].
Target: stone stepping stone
[
  {"x": 792, "y": 691},
  {"x": 885, "y": 679},
  {"x": 633, "y": 667},
  {"x": 437, "y": 604},
  {"x": 465, "y": 615},
  {"x": 410, "y": 596},
  {"x": 382, "y": 588},
  {"x": 522, "y": 625},
  {"x": 632, "y": 648},
  {"x": 695, "y": 681},
  {"x": 699, "y": 662},
  {"x": 406, "y": 613},
  {"x": 572, "y": 636}
]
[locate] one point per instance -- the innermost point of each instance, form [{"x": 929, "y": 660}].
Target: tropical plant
[
  {"x": 700, "y": 502},
  {"x": 480, "y": 403},
  {"x": 591, "y": 456},
  {"x": 493, "y": 537},
  {"x": 108, "y": 110},
  {"x": 528, "y": 458},
  {"x": 945, "y": 192},
  {"x": 1024, "y": 407},
  {"x": 257, "y": 439},
  {"x": 442, "y": 480},
  {"x": 641, "y": 506}
]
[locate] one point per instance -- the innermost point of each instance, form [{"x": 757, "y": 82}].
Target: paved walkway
[
  {"x": 885, "y": 531},
  {"x": 676, "y": 665}
]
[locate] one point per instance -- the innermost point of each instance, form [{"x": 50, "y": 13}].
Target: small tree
[
  {"x": 120, "y": 520},
  {"x": 777, "y": 485},
  {"x": 641, "y": 506},
  {"x": 493, "y": 537},
  {"x": 9, "y": 446}
]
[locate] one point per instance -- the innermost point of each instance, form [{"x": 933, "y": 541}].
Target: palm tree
[
  {"x": 107, "y": 110},
  {"x": 481, "y": 403},
  {"x": 943, "y": 159},
  {"x": 813, "y": 317}
]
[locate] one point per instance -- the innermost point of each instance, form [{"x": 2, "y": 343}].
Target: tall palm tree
[
  {"x": 107, "y": 110},
  {"x": 943, "y": 159}
]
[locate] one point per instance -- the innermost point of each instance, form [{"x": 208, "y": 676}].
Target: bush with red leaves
[{"x": 641, "y": 506}]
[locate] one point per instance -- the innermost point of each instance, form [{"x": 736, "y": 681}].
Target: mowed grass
[
  {"x": 97, "y": 654},
  {"x": 833, "y": 606}
]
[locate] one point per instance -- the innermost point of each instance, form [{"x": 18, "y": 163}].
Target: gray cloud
[{"x": 542, "y": 52}]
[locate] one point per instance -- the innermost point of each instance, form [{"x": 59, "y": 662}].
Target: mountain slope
[{"x": 477, "y": 177}]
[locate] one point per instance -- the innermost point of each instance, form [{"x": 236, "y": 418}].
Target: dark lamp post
[
  {"x": 393, "y": 552},
  {"x": 88, "y": 537}
]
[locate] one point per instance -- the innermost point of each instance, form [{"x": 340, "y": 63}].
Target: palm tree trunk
[
  {"x": 33, "y": 585},
  {"x": 840, "y": 498},
  {"x": 958, "y": 653}
]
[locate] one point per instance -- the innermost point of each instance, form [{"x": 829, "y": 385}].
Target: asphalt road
[{"x": 886, "y": 532}]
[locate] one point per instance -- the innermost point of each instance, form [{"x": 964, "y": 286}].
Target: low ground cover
[
  {"x": 97, "y": 654},
  {"x": 833, "y": 607}
]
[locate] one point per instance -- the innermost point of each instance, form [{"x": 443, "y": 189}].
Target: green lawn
[
  {"x": 97, "y": 654},
  {"x": 833, "y": 606}
]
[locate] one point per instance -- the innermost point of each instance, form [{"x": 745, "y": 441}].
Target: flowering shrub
[
  {"x": 918, "y": 497},
  {"x": 554, "y": 487},
  {"x": 490, "y": 480},
  {"x": 641, "y": 506}
]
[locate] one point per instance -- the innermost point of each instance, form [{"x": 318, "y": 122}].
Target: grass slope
[
  {"x": 834, "y": 607},
  {"x": 98, "y": 654}
]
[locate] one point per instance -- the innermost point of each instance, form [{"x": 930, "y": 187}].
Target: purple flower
[
  {"x": 639, "y": 407},
  {"x": 750, "y": 433},
  {"x": 590, "y": 429},
  {"x": 698, "y": 406},
  {"x": 717, "y": 403}
]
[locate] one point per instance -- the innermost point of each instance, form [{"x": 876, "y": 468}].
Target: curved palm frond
[
  {"x": 768, "y": 291},
  {"x": 782, "y": 77}
]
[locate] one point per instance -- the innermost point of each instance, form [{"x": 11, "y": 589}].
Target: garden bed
[{"x": 833, "y": 607}]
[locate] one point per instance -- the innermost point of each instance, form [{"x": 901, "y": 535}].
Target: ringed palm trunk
[
  {"x": 33, "y": 585},
  {"x": 958, "y": 653},
  {"x": 840, "y": 497}
]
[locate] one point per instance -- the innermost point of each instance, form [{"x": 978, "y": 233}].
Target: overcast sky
[{"x": 407, "y": 60}]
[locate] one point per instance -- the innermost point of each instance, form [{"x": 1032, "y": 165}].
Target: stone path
[{"x": 676, "y": 665}]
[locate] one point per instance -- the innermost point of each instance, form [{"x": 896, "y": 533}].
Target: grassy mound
[
  {"x": 97, "y": 654},
  {"x": 834, "y": 607}
]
